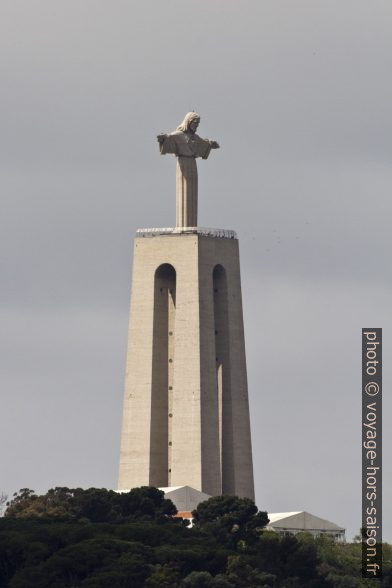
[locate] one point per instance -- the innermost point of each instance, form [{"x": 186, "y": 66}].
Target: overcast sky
[{"x": 299, "y": 95}]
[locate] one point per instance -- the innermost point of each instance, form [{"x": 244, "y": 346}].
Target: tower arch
[
  {"x": 162, "y": 374},
  {"x": 223, "y": 380}
]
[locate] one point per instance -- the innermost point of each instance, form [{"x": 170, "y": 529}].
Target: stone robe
[{"x": 186, "y": 147}]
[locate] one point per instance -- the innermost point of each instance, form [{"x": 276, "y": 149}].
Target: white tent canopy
[
  {"x": 299, "y": 521},
  {"x": 185, "y": 498}
]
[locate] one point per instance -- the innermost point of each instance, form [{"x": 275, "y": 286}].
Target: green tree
[
  {"x": 100, "y": 539},
  {"x": 198, "y": 580},
  {"x": 235, "y": 522},
  {"x": 93, "y": 504},
  {"x": 294, "y": 562},
  {"x": 166, "y": 576},
  {"x": 89, "y": 563},
  {"x": 241, "y": 574}
]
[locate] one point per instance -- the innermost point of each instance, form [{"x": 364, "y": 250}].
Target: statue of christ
[{"x": 186, "y": 145}]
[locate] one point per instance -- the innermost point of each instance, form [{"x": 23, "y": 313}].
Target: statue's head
[{"x": 190, "y": 123}]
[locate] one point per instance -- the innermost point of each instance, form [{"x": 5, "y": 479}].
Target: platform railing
[{"x": 153, "y": 232}]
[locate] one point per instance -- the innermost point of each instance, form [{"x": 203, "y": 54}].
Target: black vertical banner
[{"x": 372, "y": 453}]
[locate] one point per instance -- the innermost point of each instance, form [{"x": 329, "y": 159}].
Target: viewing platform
[{"x": 153, "y": 232}]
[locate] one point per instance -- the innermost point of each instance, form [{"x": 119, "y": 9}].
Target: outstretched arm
[
  {"x": 167, "y": 144},
  {"x": 205, "y": 146}
]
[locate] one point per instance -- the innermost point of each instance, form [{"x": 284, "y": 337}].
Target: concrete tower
[{"x": 186, "y": 414}]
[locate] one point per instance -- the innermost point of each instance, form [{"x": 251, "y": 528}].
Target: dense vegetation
[{"x": 97, "y": 538}]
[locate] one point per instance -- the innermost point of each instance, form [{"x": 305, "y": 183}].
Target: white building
[
  {"x": 185, "y": 499},
  {"x": 291, "y": 523}
]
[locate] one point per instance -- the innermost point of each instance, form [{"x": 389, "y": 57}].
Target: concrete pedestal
[{"x": 186, "y": 415}]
